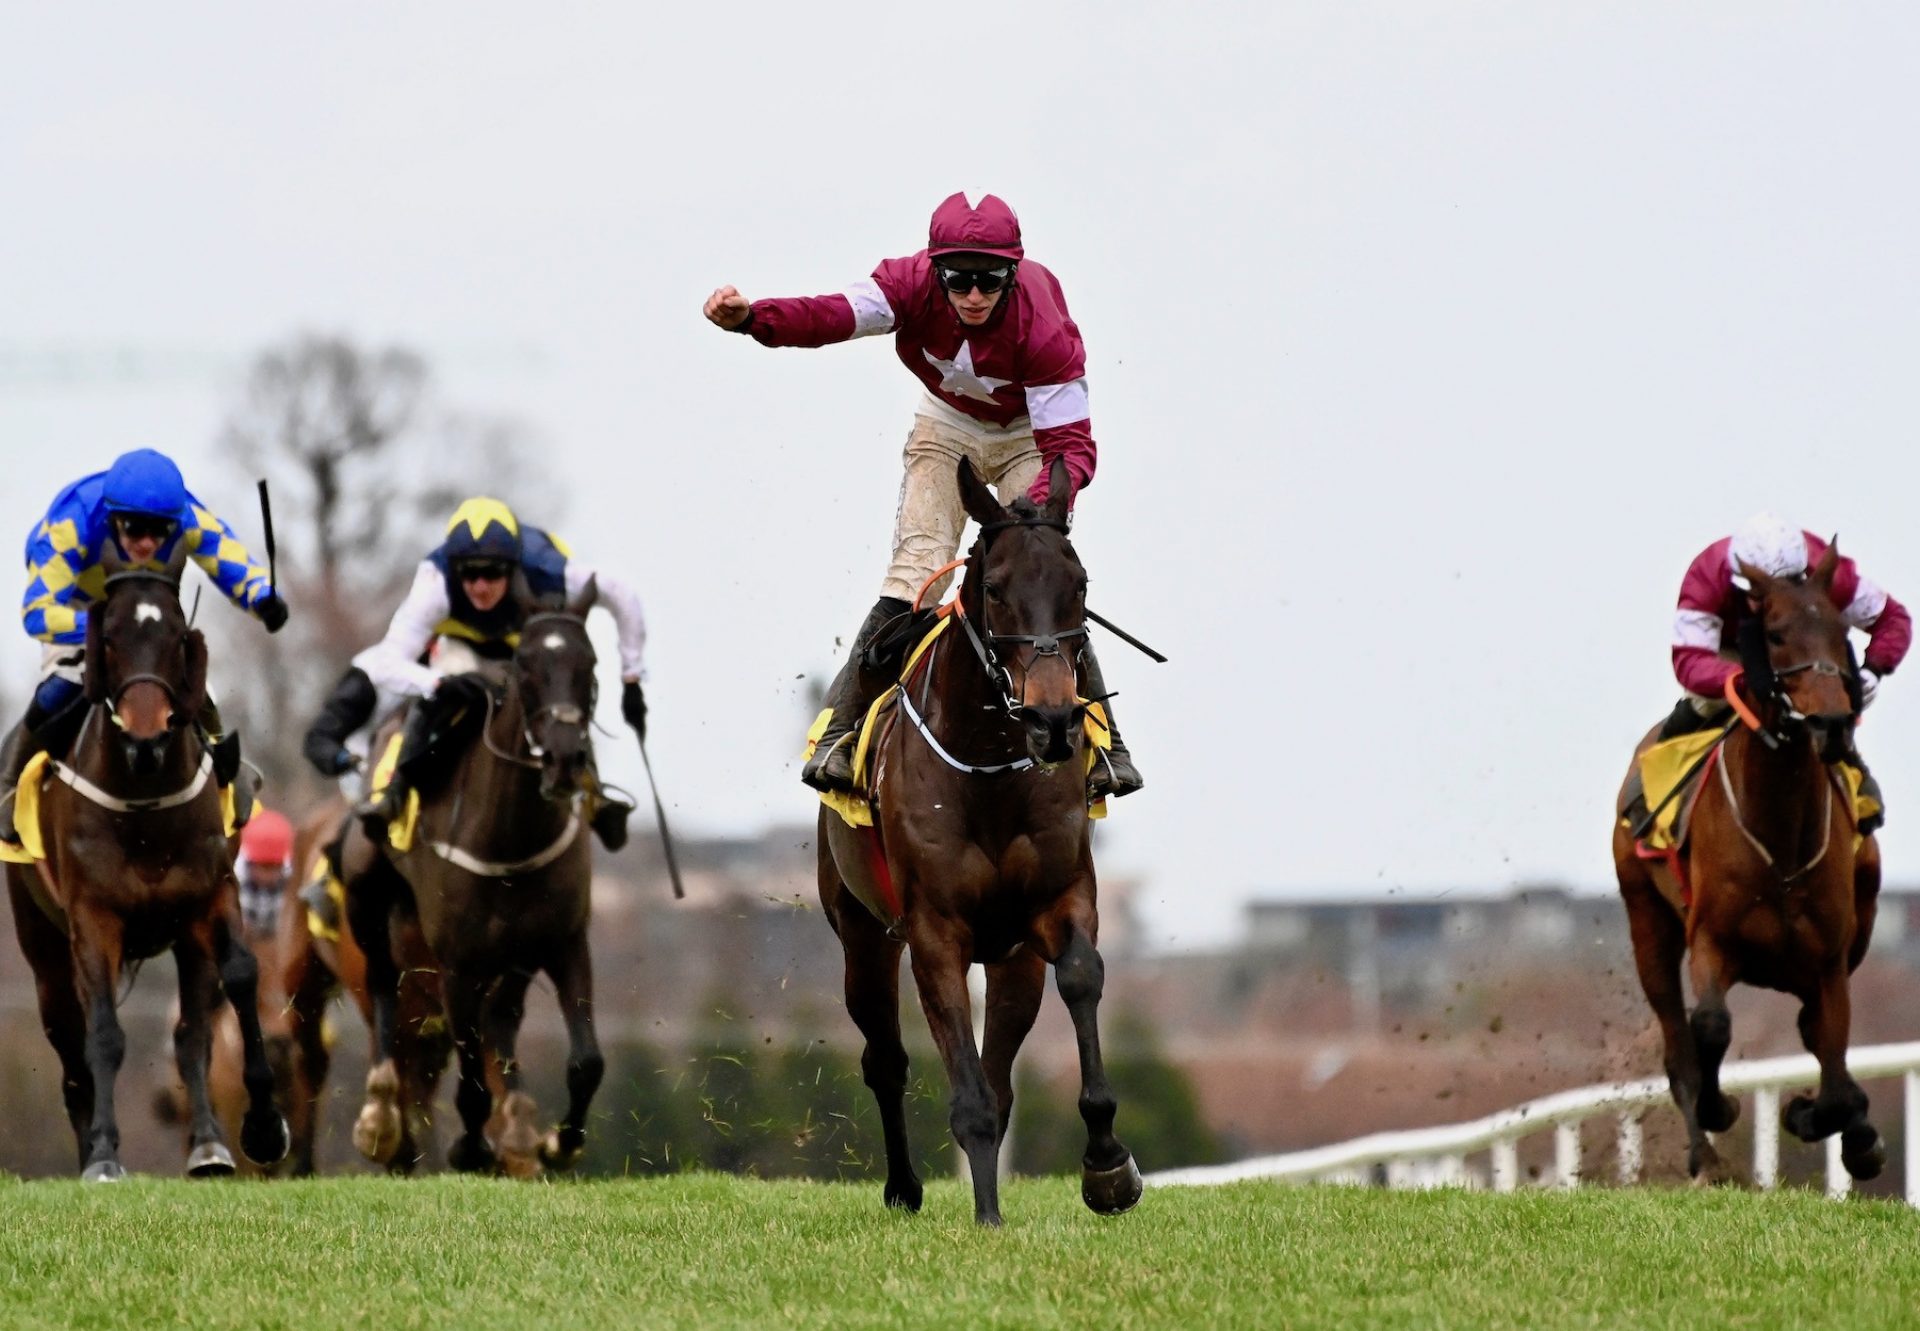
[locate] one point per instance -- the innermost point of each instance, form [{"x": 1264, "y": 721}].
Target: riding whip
[
  {"x": 1110, "y": 627},
  {"x": 666, "y": 837},
  {"x": 266, "y": 519}
]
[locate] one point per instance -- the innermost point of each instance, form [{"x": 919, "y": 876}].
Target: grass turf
[{"x": 716, "y": 1251}]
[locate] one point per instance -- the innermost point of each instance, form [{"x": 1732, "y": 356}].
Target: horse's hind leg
[
  {"x": 1109, "y": 1179},
  {"x": 207, "y": 1153},
  {"x": 1866, "y": 900},
  {"x": 263, "y": 1132},
  {"x": 61, "y": 1016},
  {"x": 1841, "y": 1105},
  {"x": 1713, "y": 975},
  {"x": 941, "y": 951},
  {"x": 1014, "y": 990},
  {"x": 1659, "y": 949},
  {"x": 379, "y": 1128},
  {"x": 573, "y": 983},
  {"x": 309, "y": 984}
]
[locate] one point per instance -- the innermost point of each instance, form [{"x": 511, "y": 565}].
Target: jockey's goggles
[
  {"x": 962, "y": 280},
  {"x": 483, "y": 570},
  {"x": 143, "y": 526}
]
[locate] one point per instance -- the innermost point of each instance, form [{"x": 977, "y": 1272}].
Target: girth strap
[{"x": 480, "y": 868}]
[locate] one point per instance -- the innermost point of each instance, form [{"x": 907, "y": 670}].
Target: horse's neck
[
  {"x": 96, "y": 756},
  {"x": 495, "y": 805},
  {"x": 1783, "y": 795}
]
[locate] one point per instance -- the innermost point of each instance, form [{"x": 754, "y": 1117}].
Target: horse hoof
[
  {"x": 265, "y": 1139},
  {"x": 904, "y": 1196},
  {"x": 103, "y": 1171},
  {"x": 1797, "y": 1117},
  {"x": 1863, "y": 1153},
  {"x": 1111, "y": 1191},
  {"x": 1707, "y": 1169},
  {"x": 210, "y": 1160},
  {"x": 562, "y": 1148},
  {"x": 376, "y": 1132},
  {"x": 472, "y": 1155}
]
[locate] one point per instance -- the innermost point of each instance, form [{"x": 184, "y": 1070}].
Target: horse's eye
[
  {"x": 1777, "y": 639},
  {"x": 993, "y": 590}
]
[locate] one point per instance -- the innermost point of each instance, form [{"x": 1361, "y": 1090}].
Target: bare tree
[{"x": 364, "y": 470}]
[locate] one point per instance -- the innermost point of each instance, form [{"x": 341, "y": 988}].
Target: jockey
[
  {"x": 986, "y": 332},
  {"x": 265, "y": 864},
  {"x": 464, "y": 607},
  {"x": 144, "y": 507},
  {"x": 1714, "y": 604}
]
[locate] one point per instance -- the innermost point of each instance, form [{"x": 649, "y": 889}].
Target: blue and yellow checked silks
[{"x": 64, "y": 575}]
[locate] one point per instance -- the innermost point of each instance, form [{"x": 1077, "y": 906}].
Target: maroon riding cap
[{"x": 961, "y": 227}]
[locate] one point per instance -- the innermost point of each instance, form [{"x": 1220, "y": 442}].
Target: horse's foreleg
[
  {"x": 573, "y": 985},
  {"x": 263, "y": 1132},
  {"x": 62, "y": 1017},
  {"x": 379, "y": 1128},
  {"x": 97, "y": 942},
  {"x": 1713, "y": 974},
  {"x": 517, "y": 1135},
  {"x": 1659, "y": 950},
  {"x": 1014, "y": 990},
  {"x": 309, "y": 984},
  {"x": 466, "y": 997},
  {"x": 1109, "y": 1179},
  {"x": 1866, "y": 900},
  {"x": 207, "y": 1153},
  {"x": 941, "y": 951},
  {"x": 1841, "y": 1105},
  {"x": 872, "y": 987}
]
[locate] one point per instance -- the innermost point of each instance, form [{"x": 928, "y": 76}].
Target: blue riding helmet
[
  {"x": 144, "y": 481},
  {"x": 483, "y": 529}
]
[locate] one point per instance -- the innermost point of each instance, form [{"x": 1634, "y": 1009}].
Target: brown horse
[
  {"x": 1769, "y": 889},
  {"x": 138, "y": 861},
  {"x": 983, "y": 857},
  {"x": 495, "y": 883}
]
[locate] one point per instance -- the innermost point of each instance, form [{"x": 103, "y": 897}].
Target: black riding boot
[
  {"x": 23, "y": 741},
  {"x": 1684, "y": 720},
  {"x": 380, "y": 810},
  {"x": 607, "y": 814},
  {"x": 870, "y": 668},
  {"x": 1113, "y": 770},
  {"x": 350, "y": 707}
]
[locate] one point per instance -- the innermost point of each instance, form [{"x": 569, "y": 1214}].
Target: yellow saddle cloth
[
  {"x": 856, "y": 807},
  {"x": 400, "y": 830},
  {"x": 1664, "y": 765},
  {"x": 26, "y": 813}
]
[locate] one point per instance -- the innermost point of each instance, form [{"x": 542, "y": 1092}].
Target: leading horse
[
  {"x": 1769, "y": 889},
  {"x": 137, "y": 861},
  {"x": 984, "y": 857},
  {"x": 496, "y": 882}
]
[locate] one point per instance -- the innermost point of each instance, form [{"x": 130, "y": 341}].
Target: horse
[
  {"x": 982, "y": 858},
  {"x": 496, "y": 881},
  {"x": 137, "y": 861},
  {"x": 1769, "y": 888}
]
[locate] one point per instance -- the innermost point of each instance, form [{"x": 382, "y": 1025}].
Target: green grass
[{"x": 714, "y": 1251}]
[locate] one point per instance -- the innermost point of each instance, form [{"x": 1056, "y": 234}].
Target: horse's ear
[
  {"x": 1829, "y": 565},
  {"x": 177, "y": 561},
  {"x": 1758, "y": 583},
  {"x": 520, "y": 593},
  {"x": 93, "y": 660},
  {"x": 1059, "y": 490},
  {"x": 193, "y": 698},
  {"x": 111, "y": 560},
  {"x": 584, "y": 601},
  {"x": 980, "y": 504}
]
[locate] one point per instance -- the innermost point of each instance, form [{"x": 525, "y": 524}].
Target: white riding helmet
[{"x": 1775, "y": 547}]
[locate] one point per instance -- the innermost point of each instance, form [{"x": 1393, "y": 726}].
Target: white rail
[{"x": 1437, "y": 1156}]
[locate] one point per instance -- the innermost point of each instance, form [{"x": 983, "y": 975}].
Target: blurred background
[{"x": 1426, "y": 346}]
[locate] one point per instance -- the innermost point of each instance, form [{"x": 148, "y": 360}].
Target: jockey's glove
[
  {"x": 1869, "y": 685},
  {"x": 633, "y": 706},
  {"x": 271, "y": 611}
]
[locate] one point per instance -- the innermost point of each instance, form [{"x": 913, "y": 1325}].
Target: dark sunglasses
[
  {"x": 962, "y": 280},
  {"x": 139, "y": 527},
  {"x": 482, "y": 572}
]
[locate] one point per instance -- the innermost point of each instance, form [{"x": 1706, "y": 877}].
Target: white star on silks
[{"x": 957, "y": 376}]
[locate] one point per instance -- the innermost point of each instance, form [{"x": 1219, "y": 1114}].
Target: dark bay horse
[
  {"x": 981, "y": 811},
  {"x": 496, "y": 883},
  {"x": 137, "y": 862},
  {"x": 1774, "y": 893}
]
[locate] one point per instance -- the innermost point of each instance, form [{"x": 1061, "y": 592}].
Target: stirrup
[
  {"x": 377, "y": 813},
  {"x": 831, "y": 767},
  {"x": 1108, "y": 779}
]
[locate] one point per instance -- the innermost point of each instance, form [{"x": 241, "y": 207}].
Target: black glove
[
  {"x": 633, "y": 706},
  {"x": 271, "y": 611}
]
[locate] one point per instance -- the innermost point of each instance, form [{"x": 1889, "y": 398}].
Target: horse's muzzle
[
  {"x": 148, "y": 756},
  {"x": 1832, "y": 735},
  {"x": 1051, "y": 732}
]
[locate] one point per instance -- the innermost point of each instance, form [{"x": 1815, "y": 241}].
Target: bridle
[
  {"x": 568, "y": 714},
  {"x": 176, "y": 720},
  {"x": 985, "y": 641}
]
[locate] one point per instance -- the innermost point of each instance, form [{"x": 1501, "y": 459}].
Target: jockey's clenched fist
[{"x": 727, "y": 308}]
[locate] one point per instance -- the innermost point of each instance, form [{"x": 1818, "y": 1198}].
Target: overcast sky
[{"x": 1427, "y": 344}]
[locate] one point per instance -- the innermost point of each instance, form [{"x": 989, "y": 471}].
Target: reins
[{"x": 1748, "y": 717}]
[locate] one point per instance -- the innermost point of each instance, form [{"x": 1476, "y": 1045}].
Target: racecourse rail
[{"x": 1430, "y": 1157}]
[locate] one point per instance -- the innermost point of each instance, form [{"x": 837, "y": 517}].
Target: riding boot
[
  {"x": 1687, "y": 717},
  {"x": 381, "y": 809},
  {"x": 607, "y": 814},
  {"x": 22, "y": 743},
  {"x": 1113, "y": 770},
  {"x": 870, "y": 668}
]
